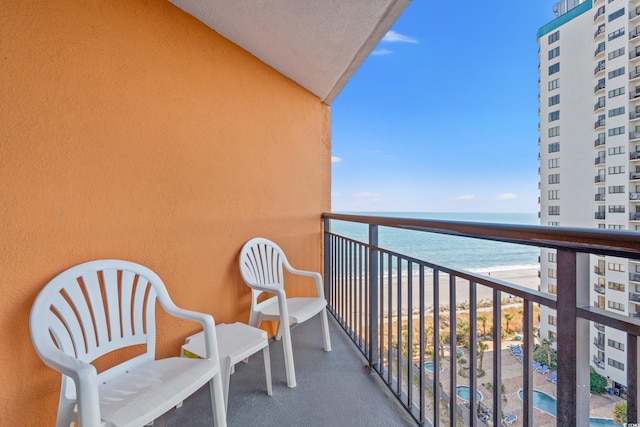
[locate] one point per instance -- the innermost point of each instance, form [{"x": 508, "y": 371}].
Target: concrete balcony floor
[{"x": 333, "y": 389}]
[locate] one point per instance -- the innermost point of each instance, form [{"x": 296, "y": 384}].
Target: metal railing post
[
  {"x": 374, "y": 357},
  {"x": 573, "y": 348},
  {"x": 327, "y": 258}
]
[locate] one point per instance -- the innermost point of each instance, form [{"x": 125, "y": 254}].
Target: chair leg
[
  {"x": 225, "y": 371},
  {"x": 65, "y": 411},
  {"x": 325, "y": 330},
  {"x": 267, "y": 368},
  {"x": 288, "y": 356},
  {"x": 217, "y": 401}
]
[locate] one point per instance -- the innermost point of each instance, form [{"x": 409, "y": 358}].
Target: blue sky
[{"x": 443, "y": 116}]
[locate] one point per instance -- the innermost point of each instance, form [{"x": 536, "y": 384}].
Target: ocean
[{"x": 476, "y": 255}]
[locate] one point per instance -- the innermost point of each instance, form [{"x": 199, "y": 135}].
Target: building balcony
[
  {"x": 635, "y": 94},
  {"x": 599, "y": 105},
  {"x": 634, "y": 175},
  {"x": 634, "y": 155},
  {"x": 634, "y": 134},
  {"x": 599, "y": 32},
  {"x": 634, "y": 74},
  {"x": 600, "y": 160},
  {"x": 385, "y": 313},
  {"x": 599, "y": 289},
  {"x": 600, "y": 197},
  {"x": 599, "y": 86},
  {"x": 599, "y": 327},
  {"x": 601, "y": 140},
  {"x": 634, "y": 54},
  {"x": 634, "y": 33},
  {"x": 599, "y": 14},
  {"x": 635, "y": 315},
  {"x": 634, "y": 277},
  {"x": 634, "y": 196},
  {"x": 635, "y": 297},
  {"x": 634, "y": 216},
  {"x": 634, "y": 13},
  {"x": 600, "y": 178},
  {"x": 599, "y": 123},
  {"x": 598, "y": 363},
  {"x": 599, "y": 270}
]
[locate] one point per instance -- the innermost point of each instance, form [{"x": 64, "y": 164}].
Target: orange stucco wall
[{"x": 130, "y": 130}]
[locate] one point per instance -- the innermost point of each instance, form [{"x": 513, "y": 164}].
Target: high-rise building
[{"x": 590, "y": 154}]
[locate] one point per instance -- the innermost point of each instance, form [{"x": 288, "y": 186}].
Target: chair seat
[
  {"x": 300, "y": 309},
  {"x": 147, "y": 391}
]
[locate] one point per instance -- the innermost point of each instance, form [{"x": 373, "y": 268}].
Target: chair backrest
[
  {"x": 95, "y": 308},
  {"x": 261, "y": 262}
]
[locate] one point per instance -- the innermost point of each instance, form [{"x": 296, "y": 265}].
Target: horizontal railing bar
[
  {"x": 533, "y": 295},
  {"x": 609, "y": 318},
  {"x": 596, "y": 241}
]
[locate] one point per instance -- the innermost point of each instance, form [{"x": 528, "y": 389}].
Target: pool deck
[{"x": 601, "y": 406}]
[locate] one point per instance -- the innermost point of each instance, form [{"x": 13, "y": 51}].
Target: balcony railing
[
  {"x": 599, "y": 141},
  {"x": 635, "y": 277},
  {"x": 599, "y": 13},
  {"x": 634, "y": 54},
  {"x": 599, "y": 31},
  {"x": 598, "y": 343},
  {"x": 634, "y": 134},
  {"x": 598, "y": 270},
  {"x": 599, "y": 363},
  {"x": 379, "y": 297},
  {"x": 599, "y": 86},
  {"x": 634, "y": 175},
  {"x": 600, "y": 178},
  {"x": 598, "y": 105},
  {"x": 634, "y": 216},
  {"x": 600, "y": 159},
  {"x": 634, "y": 196},
  {"x": 634, "y": 155},
  {"x": 599, "y": 123},
  {"x": 600, "y": 197},
  {"x": 634, "y": 296},
  {"x": 599, "y": 327},
  {"x": 634, "y": 13},
  {"x": 598, "y": 289}
]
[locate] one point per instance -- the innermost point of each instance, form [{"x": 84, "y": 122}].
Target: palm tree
[
  {"x": 547, "y": 346},
  {"x": 483, "y": 319},
  {"x": 428, "y": 332},
  {"x": 482, "y": 347},
  {"x": 508, "y": 317}
]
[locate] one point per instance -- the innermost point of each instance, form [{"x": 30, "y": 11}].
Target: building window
[
  {"x": 616, "y": 150},
  {"x": 616, "y": 53},
  {"x": 554, "y": 84},
  {"x": 616, "y": 111},
  {"x": 616, "y": 34},
  {"x": 554, "y": 147},
  {"x": 616, "y": 14},
  {"x": 554, "y": 37},
  {"x": 614, "y": 170},
  {"x": 554, "y": 68},
  {"x": 616, "y": 92},
  {"x": 552, "y": 336},
  {"x": 554, "y": 194},
  {"x": 616, "y": 208},
  {"x": 554, "y": 163},
  {"x": 615, "y": 344},
  {"x": 553, "y": 289},
  {"x": 616, "y": 305},
  {"x": 551, "y": 257},
  {"x": 616, "y": 131},
  {"x": 615, "y": 364},
  {"x": 554, "y": 115},
  {"x": 616, "y": 286},
  {"x": 553, "y": 100},
  {"x": 615, "y": 227},
  {"x": 617, "y": 72},
  {"x": 613, "y": 189},
  {"x": 551, "y": 273},
  {"x": 554, "y": 52},
  {"x": 554, "y": 178},
  {"x": 551, "y": 320},
  {"x": 614, "y": 266},
  {"x": 554, "y": 131},
  {"x": 557, "y": 224},
  {"x": 554, "y": 210}
]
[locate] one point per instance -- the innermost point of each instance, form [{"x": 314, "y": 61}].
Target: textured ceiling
[{"x": 317, "y": 43}]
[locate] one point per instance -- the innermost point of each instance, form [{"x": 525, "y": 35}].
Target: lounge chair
[
  {"x": 543, "y": 369},
  {"x": 520, "y": 358},
  {"x": 536, "y": 365},
  {"x": 510, "y": 418},
  {"x": 553, "y": 377}
]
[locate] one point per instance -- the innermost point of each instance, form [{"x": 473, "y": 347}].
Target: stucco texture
[{"x": 130, "y": 130}]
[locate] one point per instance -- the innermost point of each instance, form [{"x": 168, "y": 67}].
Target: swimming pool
[
  {"x": 463, "y": 393},
  {"x": 429, "y": 367},
  {"x": 548, "y": 404}
]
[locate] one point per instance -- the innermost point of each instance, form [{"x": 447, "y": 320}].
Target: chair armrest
[
  {"x": 205, "y": 320},
  {"x": 316, "y": 276}
]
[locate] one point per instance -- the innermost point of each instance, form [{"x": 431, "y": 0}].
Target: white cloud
[
  {"x": 506, "y": 196},
  {"x": 381, "y": 52},
  {"x": 464, "y": 197},
  {"x": 393, "y": 37},
  {"x": 335, "y": 159}
]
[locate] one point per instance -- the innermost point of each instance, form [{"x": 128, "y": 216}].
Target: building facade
[{"x": 589, "y": 94}]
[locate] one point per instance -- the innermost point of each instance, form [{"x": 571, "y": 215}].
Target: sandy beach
[{"x": 526, "y": 277}]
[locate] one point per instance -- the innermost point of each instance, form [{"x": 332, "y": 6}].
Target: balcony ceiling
[{"x": 317, "y": 44}]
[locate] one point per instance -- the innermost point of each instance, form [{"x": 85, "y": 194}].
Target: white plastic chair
[
  {"x": 100, "y": 306},
  {"x": 261, "y": 266}
]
